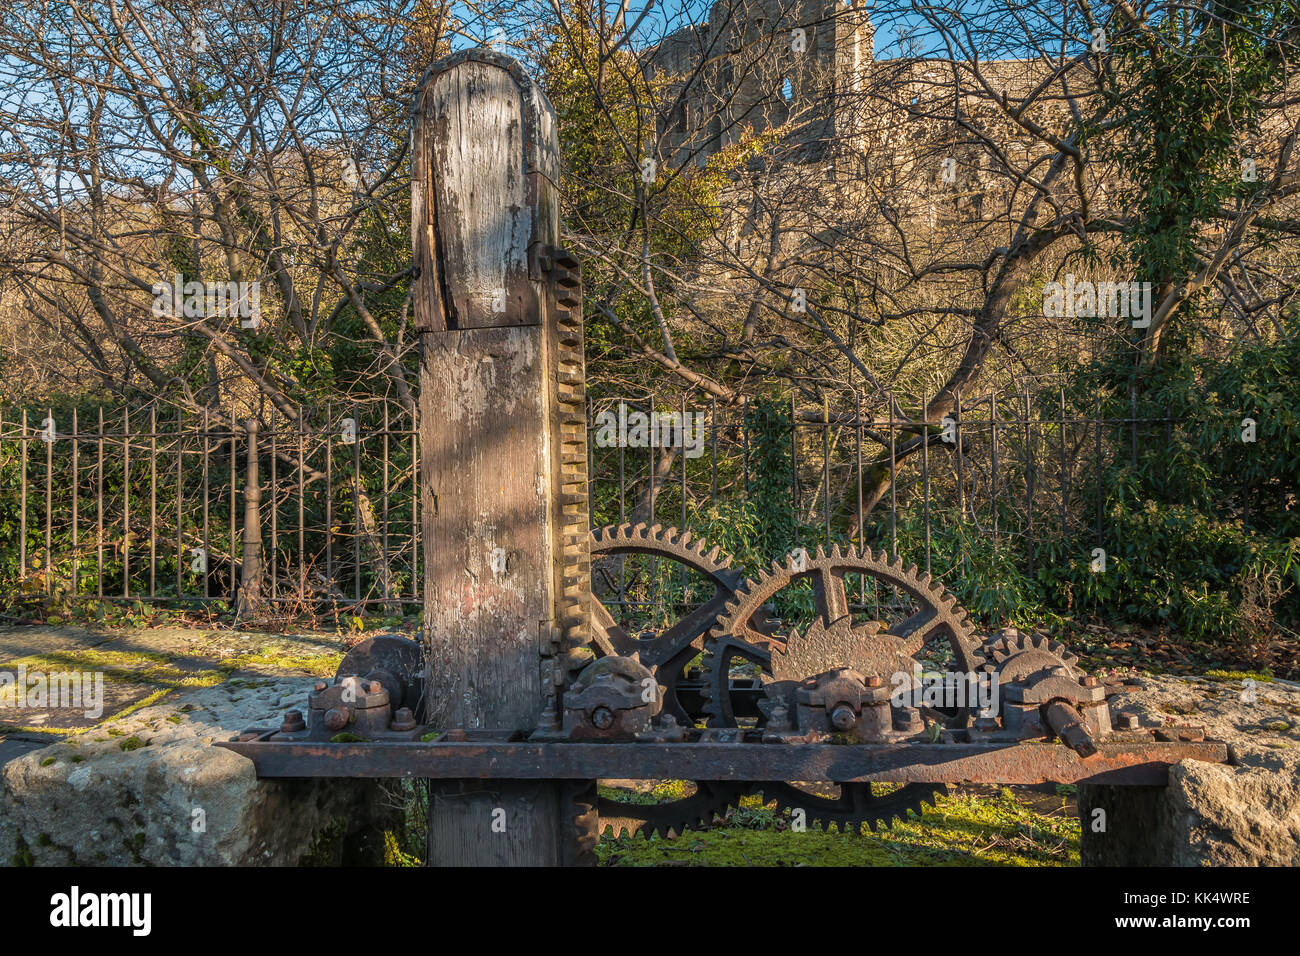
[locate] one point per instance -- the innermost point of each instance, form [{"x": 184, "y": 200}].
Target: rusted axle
[{"x": 1142, "y": 761}]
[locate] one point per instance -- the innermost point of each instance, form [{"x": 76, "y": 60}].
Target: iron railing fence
[
  {"x": 142, "y": 504},
  {"x": 153, "y": 505}
]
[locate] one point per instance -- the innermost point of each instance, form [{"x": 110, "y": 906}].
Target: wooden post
[{"x": 500, "y": 541}]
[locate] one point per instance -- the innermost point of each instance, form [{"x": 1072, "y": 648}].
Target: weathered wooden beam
[{"x": 484, "y": 207}]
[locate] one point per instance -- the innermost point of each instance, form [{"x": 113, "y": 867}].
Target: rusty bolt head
[
  {"x": 602, "y": 718},
  {"x": 293, "y": 722},
  {"x": 875, "y": 681},
  {"x": 374, "y": 687},
  {"x": 843, "y": 717},
  {"x": 1129, "y": 722},
  {"x": 336, "y": 718},
  {"x": 1091, "y": 682},
  {"x": 403, "y": 719},
  {"x": 320, "y": 686}
]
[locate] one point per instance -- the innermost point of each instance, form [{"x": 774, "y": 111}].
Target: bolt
[
  {"x": 403, "y": 719},
  {"x": 1129, "y": 722},
  {"x": 293, "y": 722},
  {"x": 336, "y": 718},
  {"x": 843, "y": 717},
  {"x": 602, "y": 718},
  {"x": 667, "y": 720},
  {"x": 875, "y": 681},
  {"x": 1091, "y": 682},
  {"x": 375, "y": 687},
  {"x": 320, "y": 686}
]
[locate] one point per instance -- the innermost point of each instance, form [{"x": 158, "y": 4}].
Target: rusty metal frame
[{"x": 1136, "y": 759}]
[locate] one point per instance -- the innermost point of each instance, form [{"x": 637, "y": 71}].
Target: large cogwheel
[
  {"x": 668, "y": 652},
  {"x": 710, "y": 798},
  {"x": 747, "y": 633}
]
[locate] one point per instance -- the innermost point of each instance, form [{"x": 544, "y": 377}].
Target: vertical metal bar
[
  {"x": 180, "y": 497},
  {"x": 826, "y": 465},
  {"x": 49, "y": 504},
  {"x": 682, "y": 436},
  {"x": 387, "y": 577},
  {"x": 356, "y": 505},
  {"x": 234, "y": 504},
  {"x": 275, "y": 509},
  {"x": 993, "y": 471},
  {"x": 893, "y": 482},
  {"x": 713, "y": 452},
  {"x": 22, "y": 496},
  {"x": 622, "y": 472},
  {"x": 302, "y": 551},
  {"x": 417, "y": 585},
  {"x": 744, "y": 437},
  {"x": 153, "y": 500},
  {"x": 654, "y": 460},
  {"x": 126, "y": 502},
  {"x": 329, "y": 494},
  {"x": 1100, "y": 492},
  {"x": 794, "y": 465},
  {"x": 1029, "y": 482},
  {"x": 961, "y": 471},
  {"x": 99, "y": 510},
  {"x": 207, "y": 485},
  {"x": 925, "y": 475},
  {"x": 1065, "y": 477},
  {"x": 76, "y": 504}
]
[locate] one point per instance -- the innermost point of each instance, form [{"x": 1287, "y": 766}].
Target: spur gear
[
  {"x": 747, "y": 633},
  {"x": 668, "y": 652},
  {"x": 1032, "y": 652},
  {"x": 856, "y": 803},
  {"x": 710, "y": 799}
]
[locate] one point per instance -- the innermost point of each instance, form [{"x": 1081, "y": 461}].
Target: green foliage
[{"x": 770, "y": 424}]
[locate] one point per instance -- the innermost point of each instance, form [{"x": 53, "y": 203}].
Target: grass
[{"x": 963, "y": 830}]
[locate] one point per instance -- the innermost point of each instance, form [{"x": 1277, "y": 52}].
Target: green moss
[
  {"x": 431, "y": 735},
  {"x": 1261, "y": 676},
  {"x": 76, "y": 758},
  {"x": 346, "y": 738},
  {"x": 47, "y": 761},
  {"x": 1281, "y": 726},
  {"x": 131, "y": 743},
  {"x": 175, "y": 718}
]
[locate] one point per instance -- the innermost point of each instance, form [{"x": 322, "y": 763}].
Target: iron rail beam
[{"x": 1127, "y": 763}]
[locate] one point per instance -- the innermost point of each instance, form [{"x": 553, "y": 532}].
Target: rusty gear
[
  {"x": 666, "y": 654},
  {"x": 1031, "y": 651},
  {"x": 746, "y": 632},
  {"x": 710, "y": 799}
]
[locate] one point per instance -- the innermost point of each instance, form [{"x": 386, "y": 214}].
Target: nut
[
  {"x": 336, "y": 718},
  {"x": 843, "y": 717},
  {"x": 292, "y": 722},
  {"x": 402, "y": 720},
  {"x": 602, "y": 718}
]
